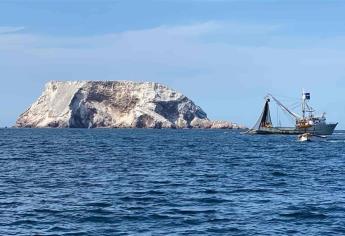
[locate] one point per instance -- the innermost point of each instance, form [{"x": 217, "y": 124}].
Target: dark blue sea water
[{"x": 169, "y": 182}]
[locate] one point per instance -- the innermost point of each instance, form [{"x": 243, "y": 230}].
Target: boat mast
[
  {"x": 305, "y": 99},
  {"x": 303, "y": 104}
]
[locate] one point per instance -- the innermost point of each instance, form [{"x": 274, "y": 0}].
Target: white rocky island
[{"x": 114, "y": 104}]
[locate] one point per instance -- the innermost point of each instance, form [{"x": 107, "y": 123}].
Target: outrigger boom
[{"x": 283, "y": 107}]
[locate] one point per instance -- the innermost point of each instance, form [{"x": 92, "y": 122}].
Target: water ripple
[{"x": 169, "y": 182}]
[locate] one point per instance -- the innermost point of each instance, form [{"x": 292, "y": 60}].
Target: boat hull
[{"x": 321, "y": 129}]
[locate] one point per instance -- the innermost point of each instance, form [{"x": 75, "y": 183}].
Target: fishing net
[{"x": 265, "y": 118}]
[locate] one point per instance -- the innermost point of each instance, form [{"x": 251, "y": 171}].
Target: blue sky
[{"x": 224, "y": 55}]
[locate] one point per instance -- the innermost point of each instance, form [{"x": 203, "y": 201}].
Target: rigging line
[
  {"x": 288, "y": 97},
  {"x": 295, "y": 104},
  {"x": 277, "y": 114},
  {"x": 295, "y": 107},
  {"x": 279, "y": 124},
  {"x": 284, "y": 107},
  {"x": 289, "y": 116},
  {"x": 288, "y": 101}
]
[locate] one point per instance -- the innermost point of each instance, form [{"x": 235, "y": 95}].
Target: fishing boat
[{"x": 305, "y": 123}]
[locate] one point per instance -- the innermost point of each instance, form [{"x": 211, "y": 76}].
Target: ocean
[{"x": 169, "y": 182}]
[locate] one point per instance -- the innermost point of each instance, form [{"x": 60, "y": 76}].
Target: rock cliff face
[{"x": 113, "y": 104}]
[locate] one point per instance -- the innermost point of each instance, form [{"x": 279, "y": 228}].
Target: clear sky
[{"x": 223, "y": 54}]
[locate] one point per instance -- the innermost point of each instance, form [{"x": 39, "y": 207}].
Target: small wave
[
  {"x": 25, "y": 222},
  {"x": 148, "y": 192},
  {"x": 99, "y": 204},
  {"x": 76, "y": 233},
  {"x": 252, "y": 190},
  {"x": 191, "y": 211},
  {"x": 222, "y": 230},
  {"x": 292, "y": 231},
  {"x": 10, "y": 204},
  {"x": 100, "y": 211},
  {"x": 142, "y": 199},
  {"x": 135, "y": 208},
  {"x": 340, "y": 230},
  {"x": 191, "y": 146},
  {"x": 279, "y": 184},
  {"x": 211, "y": 191},
  {"x": 134, "y": 218},
  {"x": 219, "y": 220},
  {"x": 48, "y": 211},
  {"x": 162, "y": 182},
  {"x": 158, "y": 216},
  {"x": 97, "y": 219},
  {"x": 336, "y": 141},
  {"x": 57, "y": 229},
  {"x": 211, "y": 200},
  {"x": 304, "y": 214},
  {"x": 278, "y": 174}
]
